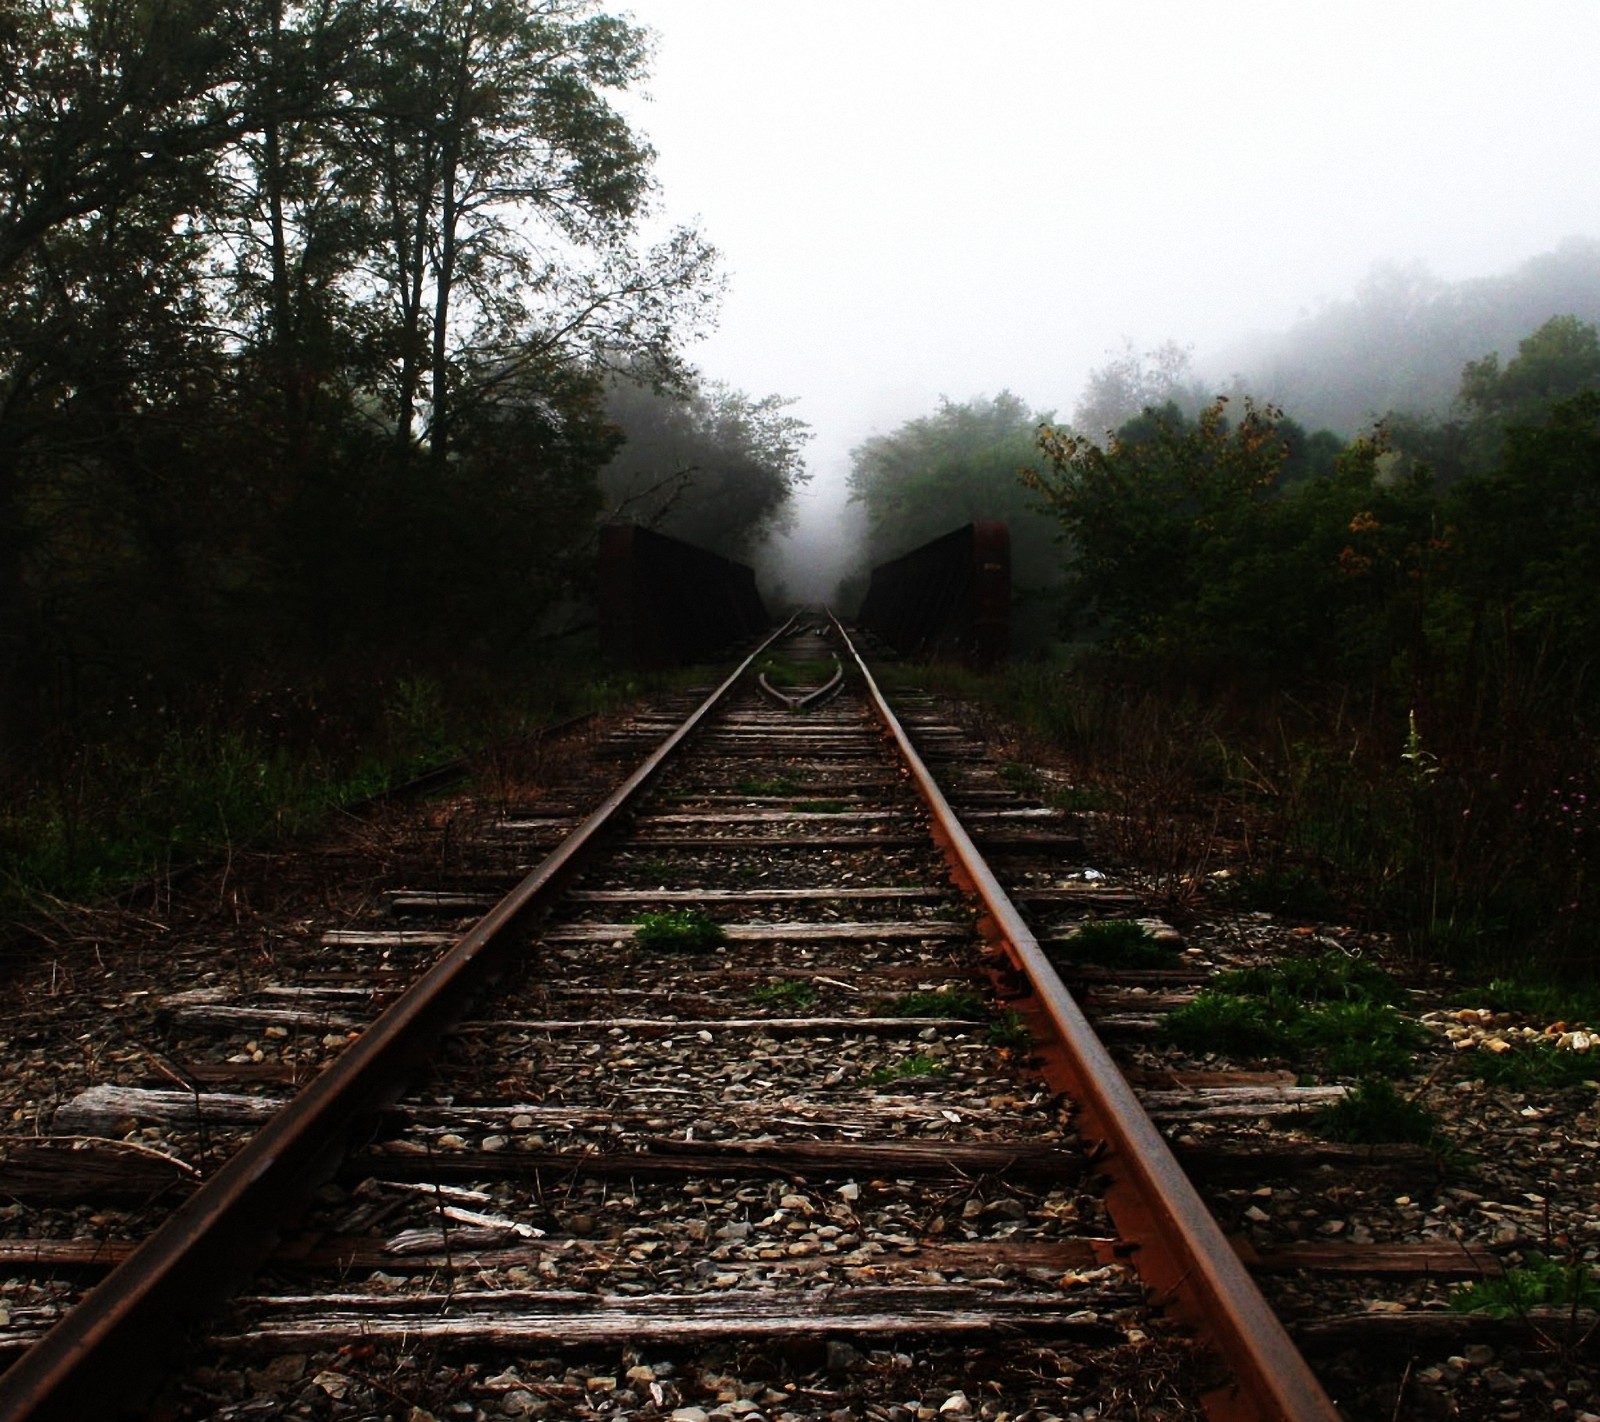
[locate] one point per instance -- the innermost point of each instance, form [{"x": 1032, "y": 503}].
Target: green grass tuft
[
  {"x": 946, "y": 1002},
  {"x": 1541, "y": 1282},
  {"x": 1537, "y": 998},
  {"x": 912, "y": 1067},
  {"x": 1009, "y": 1030},
  {"x": 767, "y": 785},
  {"x": 796, "y": 671},
  {"x": 1117, "y": 943},
  {"x": 1540, "y": 1066},
  {"x": 1374, "y": 1113},
  {"x": 1334, "y": 1011},
  {"x": 678, "y": 930},
  {"x": 793, "y": 993}
]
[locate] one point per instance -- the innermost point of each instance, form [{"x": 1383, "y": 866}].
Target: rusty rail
[
  {"x": 107, "y": 1352},
  {"x": 1179, "y": 1250}
]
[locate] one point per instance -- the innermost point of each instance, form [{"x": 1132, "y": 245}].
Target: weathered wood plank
[
  {"x": 1416, "y": 1329},
  {"x": 1442, "y": 1258},
  {"x": 739, "y": 896},
  {"x": 660, "y": 1157},
  {"x": 105, "y": 1107},
  {"x": 665, "y": 1026},
  {"x": 578, "y": 1320},
  {"x": 51, "y": 1171},
  {"x": 779, "y": 932}
]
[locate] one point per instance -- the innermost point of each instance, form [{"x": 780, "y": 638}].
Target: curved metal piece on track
[
  {"x": 815, "y": 697},
  {"x": 1182, "y": 1251},
  {"x": 102, "y": 1357}
]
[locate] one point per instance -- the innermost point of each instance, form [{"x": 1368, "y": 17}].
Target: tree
[
  {"x": 704, "y": 462},
  {"x": 289, "y": 285},
  {"x": 1191, "y": 548},
  {"x": 1130, "y": 383},
  {"x": 507, "y": 194},
  {"x": 940, "y": 471}
]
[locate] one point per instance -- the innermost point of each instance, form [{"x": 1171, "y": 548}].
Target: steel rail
[
  {"x": 1179, "y": 1249},
  {"x": 104, "y": 1356}
]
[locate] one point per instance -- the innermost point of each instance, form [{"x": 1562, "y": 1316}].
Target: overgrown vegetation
[
  {"x": 942, "y": 1002},
  {"x": 330, "y": 334},
  {"x": 1333, "y": 1014},
  {"x": 1117, "y": 943},
  {"x": 912, "y": 1068},
  {"x": 678, "y": 931},
  {"x": 792, "y": 994},
  {"x": 1539, "y": 1282},
  {"x": 1367, "y": 661},
  {"x": 158, "y": 789},
  {"x": 1374, "y": 1113}
]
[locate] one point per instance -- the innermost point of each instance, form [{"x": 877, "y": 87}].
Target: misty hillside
[{"x": 1400, "y": 342}]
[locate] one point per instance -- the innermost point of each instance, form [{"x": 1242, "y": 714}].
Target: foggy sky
[{"x": 918, "y": 198}]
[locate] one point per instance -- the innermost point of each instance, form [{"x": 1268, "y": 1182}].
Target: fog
[{"x": 917, "y": 198}]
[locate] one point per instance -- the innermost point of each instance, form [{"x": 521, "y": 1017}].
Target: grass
[
  {"x": 793, "y": 993},
  {"x": 1024, "y": 779},
  {"x": 1541, "y": 1066},
  {"x": 1554, "y": 1002},
  {"x": 1333, "y": 977},
  {"x": 142, "y": 790},
  {"x": 1118, "y": 943},
  {"x": 1293, "y": 890},
  {"x": 795, "y": 671},
  {"x": 767, "y": 785},
  {"x": 1374, "y": 1113},
  {"x": 678, "y": 931},
  {"x": 908, "y": 1068},
  {"x": 1539, "y": 1283},
  {"x": 1010, "y": 1030},
  {"x": 1333, "y": 1012},
  {"x": 946, "y": 1002}
]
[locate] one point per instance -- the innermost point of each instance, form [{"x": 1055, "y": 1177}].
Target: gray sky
[{"x": 918, "y": 198}]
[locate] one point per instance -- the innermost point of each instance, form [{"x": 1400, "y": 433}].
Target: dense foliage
[
  {"x": 308, "y": 313},
  {"x": 704, "y": 463},
  {"x": 943, "y": 470},
  {"x": 1415, "y": 656}
]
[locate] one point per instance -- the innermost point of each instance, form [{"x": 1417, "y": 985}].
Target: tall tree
[
  {"x": 704, "y": 462},
  {"x": 508, "y": 189}
]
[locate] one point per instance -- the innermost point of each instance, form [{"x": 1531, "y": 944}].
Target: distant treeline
[
  {"x": 1399, "y": 343},
  {"x": 328, "y": 334},
  {"x": 1404, "y": 628}
]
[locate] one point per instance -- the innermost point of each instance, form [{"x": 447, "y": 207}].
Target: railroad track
[
  {"x": 834, "y": 1141},
  {"x": 797, "y": 1069}
]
